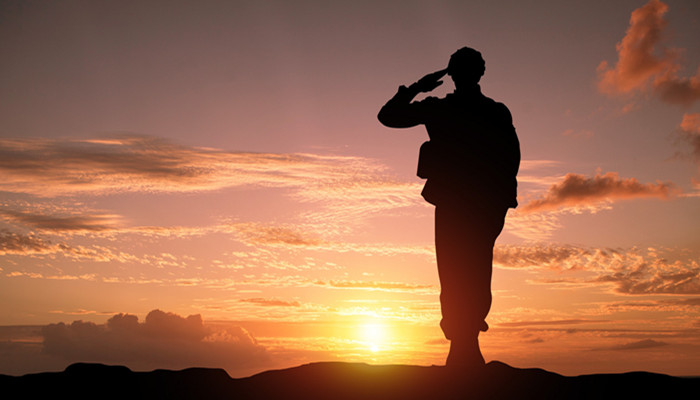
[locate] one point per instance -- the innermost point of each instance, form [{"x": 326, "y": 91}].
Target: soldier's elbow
[{"x": 386, "y": 118}]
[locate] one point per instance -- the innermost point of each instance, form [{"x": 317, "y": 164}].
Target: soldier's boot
[{"x": 465, "y": 353}]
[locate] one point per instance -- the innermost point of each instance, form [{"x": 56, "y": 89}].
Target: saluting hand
[{"x": 430, "y": 81}]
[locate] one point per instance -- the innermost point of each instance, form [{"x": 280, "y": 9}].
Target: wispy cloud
[
  {"x": 666, "y": 305},
  {"x": 131, "y": 163},
  {"x": 274, "y": 280},
  {"x": 659, "y": 277},
  {"x": 578, "y": 134},
  {"x": 532, "y": 226},
  {"x": 80, "y": 223},
  {"x": 21, "y": 244},
  {"x": 637, "y": 345},
  {"x": 57, "y": 228},
  {"x": 577, "y": 190},
  {"x": 555, "y": 322},
  {"x": 343, "y": 189},
  {"x": 265, "y": 302},
  {"x": 295, "y": 237},
  {"x": 81, "y": 312},
  {"x": 538, "y": 172},
  {"x": 628, "y": 271},
  {"x": 40, "y": 247},
  {"x": 376, "y": 285},
  {"x": 275, "y": 235},
  {"x": 542, "y": 256},
  {"x": 645, "y": 64}
]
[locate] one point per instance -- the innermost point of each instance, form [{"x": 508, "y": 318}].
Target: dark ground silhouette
[{"x": 337, "y": 380}]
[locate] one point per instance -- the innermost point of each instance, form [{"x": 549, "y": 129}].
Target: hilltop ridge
[{"x": 339, "y": 380}]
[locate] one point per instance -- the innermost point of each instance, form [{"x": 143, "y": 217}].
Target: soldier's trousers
[{"x": 464, "y": 239}]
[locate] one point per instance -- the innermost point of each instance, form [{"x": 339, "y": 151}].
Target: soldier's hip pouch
[{"x": 426, "y": 160}]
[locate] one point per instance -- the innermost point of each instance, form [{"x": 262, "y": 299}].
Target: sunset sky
[{"x": 205, "y": 183}]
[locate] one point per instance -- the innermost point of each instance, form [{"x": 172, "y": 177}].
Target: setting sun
[{"x": 375, "y": 336}]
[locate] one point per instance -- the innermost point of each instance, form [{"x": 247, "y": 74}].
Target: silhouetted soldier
[{"x": 470, "y": 164}]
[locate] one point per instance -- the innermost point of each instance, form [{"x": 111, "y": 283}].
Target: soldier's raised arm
[{"x": 399, "y": 111}]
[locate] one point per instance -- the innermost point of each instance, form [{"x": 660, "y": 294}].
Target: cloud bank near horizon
[{"x": 163, "y": 340}]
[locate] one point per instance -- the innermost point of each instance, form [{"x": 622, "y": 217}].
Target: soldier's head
[{"x": 466, "y": 67}]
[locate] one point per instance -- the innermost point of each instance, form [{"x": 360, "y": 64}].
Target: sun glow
[{"x": 375, "y": 336}]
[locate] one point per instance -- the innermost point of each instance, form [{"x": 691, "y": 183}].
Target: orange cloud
[
  {"x": 637, "y": 62},
  {"x": 643, "y": 63},
  {"x": 578, "y": 190},
  {"x": 691, "y": 123}
]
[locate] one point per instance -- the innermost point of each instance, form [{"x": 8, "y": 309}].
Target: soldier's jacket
[{"x": 473, "y": 154}]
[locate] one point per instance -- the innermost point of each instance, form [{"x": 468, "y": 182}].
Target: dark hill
[{"x": 342, "y": 381}]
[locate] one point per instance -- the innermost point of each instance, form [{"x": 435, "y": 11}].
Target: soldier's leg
[{"x": 464, "y": 245}]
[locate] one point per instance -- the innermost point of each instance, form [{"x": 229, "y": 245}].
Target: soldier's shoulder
[
  {"x": 493, "y": 103},
  {"x": 501, "y": 108},
  {"x": 498, "y": 108}
]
